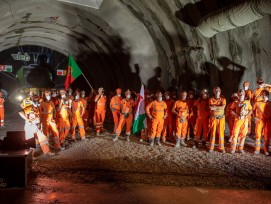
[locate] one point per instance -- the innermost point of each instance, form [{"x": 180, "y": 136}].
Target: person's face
[
  {"x": 184, "y": 96},
  {"x": 204, "y": 96}
]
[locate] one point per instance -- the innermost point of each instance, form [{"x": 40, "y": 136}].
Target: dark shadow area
[
  {"x": 108, "y": 70},
  {"x": 192, "y": 14},
  {"x": 228, "y": 78},
  {"x": 154, "y": 83}
]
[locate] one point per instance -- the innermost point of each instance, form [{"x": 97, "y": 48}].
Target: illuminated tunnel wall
[{"x": 126, "y": 43}]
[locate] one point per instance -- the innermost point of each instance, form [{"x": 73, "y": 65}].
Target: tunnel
[
  {"x": 176, "y": 45},
  {"x": 124, "y": 43}
]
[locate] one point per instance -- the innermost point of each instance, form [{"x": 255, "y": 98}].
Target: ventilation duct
[
  {"x": 235, "y": 16},
  {"x": 88, "y": 3}
]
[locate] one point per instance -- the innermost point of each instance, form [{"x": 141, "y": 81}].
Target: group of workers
[{"x": 60, "y": 112}]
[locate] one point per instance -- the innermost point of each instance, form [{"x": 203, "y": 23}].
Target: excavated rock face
[{"x": 126, "y": 43}]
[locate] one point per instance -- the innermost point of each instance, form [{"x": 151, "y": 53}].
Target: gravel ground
[{"x": 101, "y": 160}]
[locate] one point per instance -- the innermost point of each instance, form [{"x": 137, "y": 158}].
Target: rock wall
[{"x": 126, "y": 43}]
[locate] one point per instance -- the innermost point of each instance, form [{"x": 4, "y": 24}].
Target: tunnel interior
[{"x": 128, "y": 43}]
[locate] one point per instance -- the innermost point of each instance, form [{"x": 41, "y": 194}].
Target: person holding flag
[{"x": 140, "y": 123}]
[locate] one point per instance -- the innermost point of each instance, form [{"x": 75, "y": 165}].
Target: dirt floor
[{"x": 134, "y": 168}]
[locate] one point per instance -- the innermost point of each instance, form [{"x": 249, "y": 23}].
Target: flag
[
  {"x": 73, "y": 72},
  {"x": 60, "y": 72},
  {"x": 140, "y": 116},
  {"x": 5, "y": 68}
]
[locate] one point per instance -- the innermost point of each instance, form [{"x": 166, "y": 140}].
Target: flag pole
[{"x": 87, "y": 81}]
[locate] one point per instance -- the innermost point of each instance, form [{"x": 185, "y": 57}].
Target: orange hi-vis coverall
[
  {"x": 86, "y": 112},
  {"x": 115, "y": 104},
  {"x": 202, "y": 123},
  {"x": 78, "y": 110},
  {"x": 2, "y": 112},
  {"x": 64, "y": 125},
  {"x": 56, "y": 103},
  {"x": 230, "y": 118},
  {"x": 47, "y": 112},
  {"x": 249, "y": 95},
  {"x": 100, "y": 111},
  {"x": 257, "y": 93},
  {"x": 261, "y": 111},
  {"x": 168, "y": 122},
  {"x": 240, "y": 128},
  {"x": 192, "y": 118},
  {"x": 126, "y": 116},
  {"x": 157, "y": 110},
  {"x": 217, "y": 121},
  {"x": 145, "y": 134},
  {"x": 182, "y": 109},
  {"x": 32, "y": 120}
]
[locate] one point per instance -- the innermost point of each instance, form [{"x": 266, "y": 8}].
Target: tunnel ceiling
[{"x": 122, "y": 43}]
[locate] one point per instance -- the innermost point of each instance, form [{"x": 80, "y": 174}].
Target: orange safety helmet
[
  {"x": 246, "y": 83},
  {"x": 47, "y": 93}
]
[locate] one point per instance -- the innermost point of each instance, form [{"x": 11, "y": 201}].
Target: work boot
[
  {"x": 177, "y": 145},
  {"x": 49, "y": 154},
  {"x": 158, "y": 141},
  {"x": 183, "y": 143},
  {"x": 232, "y": 152},
  {"x": 127, "y": 138},
  {"x": 115, "y": 138},
  {"x": 266, "y": 153},
  {"x": 256, "y": 152},
  {"x": 151, "y": 142},
  {"x": 242, "y": 151},
  {"x": 211, "y": 150},
  {"x": 98, "y": 134},
  {"x": 195, "y": 145}
]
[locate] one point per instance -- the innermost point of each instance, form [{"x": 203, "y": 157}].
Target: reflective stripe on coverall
[
  {"x": 157, "y": 109},
  {"x": 126, "y": 116},
  {"x": 100, "y": 111},
  {"x": 48, "y": 122},
  {"x": 217, "y": 122},
  {"x": 115, "y": 104},
  {"x": 181, "y": 107},
  {"x": 77, "y": 120},
  {"x": 240, "y": 127}
]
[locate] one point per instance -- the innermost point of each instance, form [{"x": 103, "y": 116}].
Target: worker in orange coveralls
[
  {"x": 64, "y": 125},
  {"x": 229, "y": 116},
  {"x": 262, "y": 86},
  {"x": 100, "y": 110},
  {"x": 157, "y": 113},
  {"x": 2, "y": 110},
  {"x": 202, "y": 122},
  {"x": 115, "y": 104},
  {"x": 261, "y": 112},
  {"x": 240, "y": 109},
  {"x": 77, "y": 110},
  {"x": 48, "y": 115},
  {"x": 167, "y": 132},
  {"x": 193, "y": 114},
  {"x": 31, "y": 115},
  {"x": 84, "y": 101},
  {"x": 126, "y": 117},
  {"x": 249, "y": 96},
  {"x": 217, "y": 106},
  {"x": 181, "y": 109}
]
